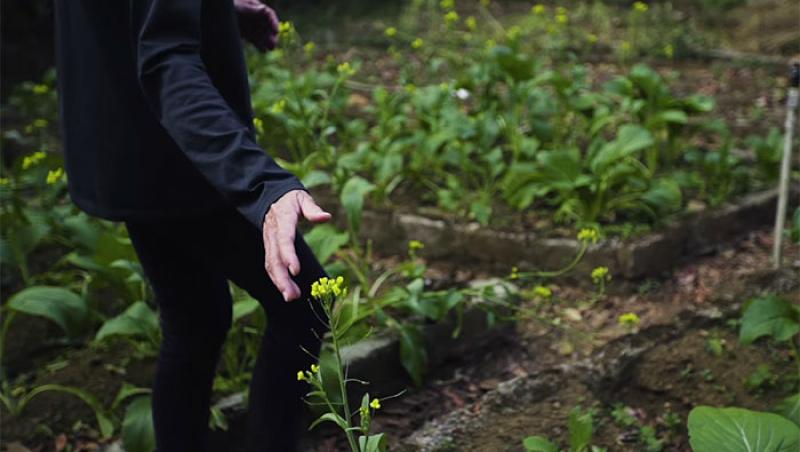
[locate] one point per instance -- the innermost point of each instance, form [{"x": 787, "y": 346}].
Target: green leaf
[
  {"x": 373, "y": 443},
  {"x": 244, "y": 307},
  {"x": 740, "y": 430},
  {"x": 127, "y": 390},
  {"x": 139, "y": 320},
  {"x": 630, "y": 139},
  {"x": 62, "y": 306},
  {"x": 790, "y": 408},
  {"x": 413, "y": 354},
  {"x": 769, "y": 316},
  {"x": 104, "y": 422},
  {"x": 138, "y": 434},
  {"x": 538, "y": 444},
  {"x": 352, "y": 198},
  {"x": 331, "y": 417},
  {"x": 580, "y": 429},
  {"x": 325, "y": 240},
  {"x": 316, "y": 177},
  {"x": 663, "y": 196}
]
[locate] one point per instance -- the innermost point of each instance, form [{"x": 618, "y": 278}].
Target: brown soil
[{"x": 679, "y": 374}]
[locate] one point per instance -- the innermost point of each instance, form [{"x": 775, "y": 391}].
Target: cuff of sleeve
[{"x": 268, "y": 197}]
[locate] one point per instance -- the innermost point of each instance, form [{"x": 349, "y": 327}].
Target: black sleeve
[{"x": 194, "y": 113}]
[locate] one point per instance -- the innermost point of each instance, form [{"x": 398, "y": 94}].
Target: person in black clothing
[{"x": 158, "y": 133}]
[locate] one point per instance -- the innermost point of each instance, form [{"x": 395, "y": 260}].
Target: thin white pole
[{"x": 783, "y": 187}]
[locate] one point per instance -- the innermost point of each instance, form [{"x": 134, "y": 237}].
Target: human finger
[
  {"x": 280, "y": 272},
  {"x": 288, "y": 253},
  {"x": 311, "y": 211}
]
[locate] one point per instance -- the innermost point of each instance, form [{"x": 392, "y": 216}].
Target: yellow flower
[
  {"x": 538, "y": 9},
  {"x": 285, "y": 28},
  {"x": 629, "y": 320},
  {"x": 640, "y": 7},
  {"x": 600, "y": 274},
  {"x": 30, "y": 160},
  {"x": 40, "y": 123},
  {"x": 278, "y": 107},
  {"x": 471, "y": 23},
  {"x": 592, "y": 38},
  {"x": 345, "y": 69},
  {"x": 40, "y": 89},
  {"x": 514, "y": 273},
  {"x": 669, "y": 51},
  {"x": 447, "y": 4},
  {"x": 417, "y": 43},
  {"x": 451, "y": 17},
  {"x": 309, "y": 47},
  {"x": 55, "y": 175},
  {"x": 541, "y": 291},
  {"x": 588, "y": 235},
  {"x": 259, "y": 125},
  {"x": 562, "y": 19},
  {"x": 325, "y": 287},
  {"x": 390, "y": 32},
  {"x": 301, "y": 375},
  {"x": 314, "y": 368},
  {"x": 375, "y": 404},
  {"x": 414, "y": 245}
]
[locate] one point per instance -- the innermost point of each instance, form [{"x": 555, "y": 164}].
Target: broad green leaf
[
  {"x": 325, "y": 240},
  {"x": 518, "y": 65},
  {"x": 647, "y": 79},
  {"x": 138, "y": 434},
  {"x": 663, "y": 196},
  {"x": 790, "y": 408},
  {"x": 769, "y": 316},
  {"x": 538, "y": 444},
  {"x": 413, "y": 354},
  {"x": 352, "y": 198},
  {"x": 62, "y": 306},
  {"x": 673, "y": 116},
  {"x": 244, "y": 307},
  {"x": 127, "y": 390},
  {"x": 139, "y": 320},
  {"x": 315, "y": 178},
  {"x": 373, "y": 443},
  {"x": 630, "y": 139},
  {"x": 740, "y": 430},
  {"x": 580, "y": 429},
  {"x": 699, "y": 103},
  {"x": 559, "y": 169}
]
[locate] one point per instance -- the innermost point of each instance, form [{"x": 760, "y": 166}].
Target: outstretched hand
[
  {"x": 258, "y": 23},
  {"x": 280, "y": 227}
]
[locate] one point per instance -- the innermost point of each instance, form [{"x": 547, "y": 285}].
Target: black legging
[{"x": 188, "y": 263}]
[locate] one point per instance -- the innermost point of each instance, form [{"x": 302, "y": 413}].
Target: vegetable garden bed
[{"x": 471, "y": 244}]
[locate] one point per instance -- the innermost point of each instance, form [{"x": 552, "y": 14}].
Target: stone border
[{"x": 689, "y": 236}]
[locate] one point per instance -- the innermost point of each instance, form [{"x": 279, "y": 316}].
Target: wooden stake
[{"x": 786, "y": 161}]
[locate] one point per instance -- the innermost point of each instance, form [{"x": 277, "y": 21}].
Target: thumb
[{"x": 311, "y": 211}]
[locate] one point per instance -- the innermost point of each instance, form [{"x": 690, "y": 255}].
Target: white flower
[{"x": 462, "y": 94}]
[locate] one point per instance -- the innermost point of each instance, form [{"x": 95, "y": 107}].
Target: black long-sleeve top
[{"x": 155, "y": 111}]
